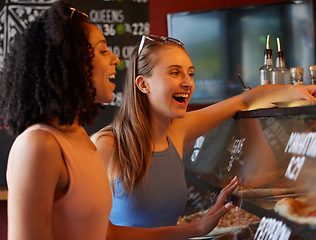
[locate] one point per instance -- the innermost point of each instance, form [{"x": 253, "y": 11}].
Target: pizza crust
[
  {"x": 296, "y": 210},
  {"x": 224, "y": 230},
  {"x": 264, "y": 192}
]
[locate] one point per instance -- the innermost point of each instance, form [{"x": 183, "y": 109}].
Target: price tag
[
  {"x": 270, "y": 229},
  {"x": 294, "y": 168}
]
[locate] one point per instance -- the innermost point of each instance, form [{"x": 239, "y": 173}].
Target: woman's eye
[
  {"x": 103, "y": 52},
  {"x": 175, "y": 73},
  {"x": 191, "y": 74}
]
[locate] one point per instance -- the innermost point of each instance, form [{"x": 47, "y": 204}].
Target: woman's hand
[
  {"x": 209, "y": 221},
  {"x": 264, "y": 96}
]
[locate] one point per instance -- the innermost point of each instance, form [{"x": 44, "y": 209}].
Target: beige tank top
[{"x": 83, "y": 212}]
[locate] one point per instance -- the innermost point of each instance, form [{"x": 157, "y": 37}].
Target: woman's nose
[
  {"x": 188, "y": 81},
  {"x": 116, "y": 60}
]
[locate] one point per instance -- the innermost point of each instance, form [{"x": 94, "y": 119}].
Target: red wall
[{"x": 158, "y": 9}]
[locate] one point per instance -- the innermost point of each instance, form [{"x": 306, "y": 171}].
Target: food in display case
[
  {"x": 231, "y": 222},
  {"x": 296, "y": 210},
  {"x": 263, "y": 192},
  {"x": 273, "y": 153}
]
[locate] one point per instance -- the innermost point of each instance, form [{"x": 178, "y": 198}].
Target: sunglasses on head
[
  {"x": 154, "y": 38},
  {"x": 73, "y": 10}
]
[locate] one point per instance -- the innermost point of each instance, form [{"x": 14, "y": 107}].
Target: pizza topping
[
  {"x": 233, "y": 220},
  {"x": 312, "y": 213},
  {"x": 237, "y": 217},
  {"x": 296, "y": 210}
]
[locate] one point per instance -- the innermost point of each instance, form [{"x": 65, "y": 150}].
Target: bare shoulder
[
  {"x": 106, "y": 145},
  {"x": 35, "y": 144},
  {"x": 35, "y": 171},
  {"x": 36, "y": 159},
  {"x": 104, "y": 140}
]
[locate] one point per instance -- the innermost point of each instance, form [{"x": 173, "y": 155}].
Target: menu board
[{"x": 122, "y": 22}]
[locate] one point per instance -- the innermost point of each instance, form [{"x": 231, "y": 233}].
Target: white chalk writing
[
  {"x": 294, "y": 168},
  {"x": 106, "y": 15},
  {"x": 302, "y": 144},
  {"x": 198, "y": 144},
  {"x": 272, "y": 229},
  {"x": 235, "y": 150}
]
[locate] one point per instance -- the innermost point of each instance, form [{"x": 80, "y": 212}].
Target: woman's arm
[
  {"x": 34, "y": 171},
  {"x": 182, "y": 232},
  {"x": 105, "y": 143},
  {"x": 200, "y": 122}
]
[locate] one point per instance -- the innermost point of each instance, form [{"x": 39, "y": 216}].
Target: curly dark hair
[{"x": 47, "y": 73}]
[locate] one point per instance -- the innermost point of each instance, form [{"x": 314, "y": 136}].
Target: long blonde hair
[{"x": 131, "y": 126}]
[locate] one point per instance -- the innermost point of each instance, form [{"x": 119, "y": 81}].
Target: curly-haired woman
[{"x": 56, "y": 73}]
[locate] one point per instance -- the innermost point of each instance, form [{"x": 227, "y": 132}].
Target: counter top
[
  {"x": 307, "y": 111},
  {"x": 3, "y": 194}
]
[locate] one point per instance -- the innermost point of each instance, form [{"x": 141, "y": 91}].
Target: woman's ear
[{"x": 142, "y": 84}]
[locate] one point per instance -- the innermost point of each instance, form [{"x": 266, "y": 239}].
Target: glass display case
[{"x": 273, "y": 153}]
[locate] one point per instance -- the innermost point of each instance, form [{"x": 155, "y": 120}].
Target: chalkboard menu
[{"x": 122, "y": 22}]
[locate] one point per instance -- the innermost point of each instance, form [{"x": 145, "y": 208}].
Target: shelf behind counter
[{"x": 305, "y": 111}]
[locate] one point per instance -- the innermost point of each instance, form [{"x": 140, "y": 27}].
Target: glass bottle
[
  {"x": 268, "y": 73},
  {"x": 297, "y": 75},
  {"x": 283, "y": 71},
  {"x": 312, "y": 74}
]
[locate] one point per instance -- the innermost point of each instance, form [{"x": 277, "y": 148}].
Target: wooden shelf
[{"x": 3, "y": 194}]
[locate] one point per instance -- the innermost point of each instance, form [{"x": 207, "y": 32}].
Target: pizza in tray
[
  {"x": 263, "y": 192},
  {"x": 296, "y": 210},
  {"x": 232, "y": 221},
  {"x": 271, "y": 189}
]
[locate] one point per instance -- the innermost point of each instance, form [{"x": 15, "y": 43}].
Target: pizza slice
[
  {"x": 231, "y": 222},
  {"x": 296, "y": 210}
]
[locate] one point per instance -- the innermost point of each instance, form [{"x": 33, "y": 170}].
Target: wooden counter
[{"x": 3, "y": 194}]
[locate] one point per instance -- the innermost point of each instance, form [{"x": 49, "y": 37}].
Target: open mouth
[
  {"x": 111, "y": 77},
  {"x": 180, "y": 97}
]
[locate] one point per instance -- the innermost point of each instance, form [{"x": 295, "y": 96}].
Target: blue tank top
[{"x": 160, "y": 200}]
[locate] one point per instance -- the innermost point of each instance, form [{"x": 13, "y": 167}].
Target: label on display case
[
  {"x": 294, "y": 168},
  {"x": 302, "y": 144},
  {"x": 272, "y": 229},
  {"x": 235, "y": 150}
]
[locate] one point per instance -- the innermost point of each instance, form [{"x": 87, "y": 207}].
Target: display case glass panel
[{"x": 273, "y": 153}]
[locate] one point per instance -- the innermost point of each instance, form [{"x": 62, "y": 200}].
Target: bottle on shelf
[
  {"x": 268, "y": 73},
  {"x": 283, "y": 71},
  {"x": 312, "y": 74},
  {"x": 297, "y": 75}
]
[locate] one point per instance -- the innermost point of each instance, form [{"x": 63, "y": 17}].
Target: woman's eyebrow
[
  {"x": 101, "y": 41},
  {"x": 179, "y": 66}
]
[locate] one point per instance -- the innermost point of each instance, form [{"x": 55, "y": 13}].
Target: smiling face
[
  {"x": 104, "y": 63},
  {"x": 171, "y": 85}
]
